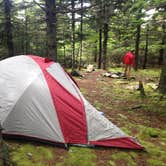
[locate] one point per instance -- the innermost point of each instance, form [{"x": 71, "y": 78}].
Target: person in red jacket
[{"x": 128, "y": 61}]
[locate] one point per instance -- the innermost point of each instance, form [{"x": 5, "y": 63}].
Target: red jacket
[{"x": 129, "y": 59}]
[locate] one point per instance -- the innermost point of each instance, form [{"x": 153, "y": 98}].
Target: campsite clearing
[{"x": 142, "y": 117}]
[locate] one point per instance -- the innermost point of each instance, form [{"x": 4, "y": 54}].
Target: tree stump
[{"x": 141, "y": 89}]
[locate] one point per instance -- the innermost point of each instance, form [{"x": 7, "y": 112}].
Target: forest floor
[{"x": 143, "y": 117}]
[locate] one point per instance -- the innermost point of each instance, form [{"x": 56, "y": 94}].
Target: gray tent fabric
[
  {"x": 25, "y": 100},
  {"x": 16, "y": 74},
  {"x": 100, "y": 127},
  {"x": 58, "y": 73}
]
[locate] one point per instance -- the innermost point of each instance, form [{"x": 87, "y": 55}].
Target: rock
[
  {"x": 153, "y": 134},
  {"x": 106, "y": 74},
  {"x": 76, "y": 73},
  {"x": 152, "y": 85},
  {"x": 29, "y": 154},
  {"x": 122, "y": 116},
  {"x": 132, "y": 87},
  {"x": 114, "y": 76},
  {"x": 90, "y": 68}
]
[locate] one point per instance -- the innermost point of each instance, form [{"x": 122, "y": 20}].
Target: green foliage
[
  {"x": 29, "y": 29},
  {"x": 79, "y": 157}
]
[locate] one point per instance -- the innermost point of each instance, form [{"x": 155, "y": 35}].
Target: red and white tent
[{"x": 38, "y": 99}]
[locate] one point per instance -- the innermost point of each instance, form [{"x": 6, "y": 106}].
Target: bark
[
  {"x": 8, "y": 27},
  {"x": 100, "y": 49},
  {"x": 81, "y": 34},
  {"x": 105, "y": 45},
  {"x": 137, "y": 46},
  {"x": 95, "y": 52},
  {"x": 162, "y": 82},
  {"x": 64, "y": 54},
  {"x": 161, "y": 52},
  {"x": 27, "y": 41},
  {"x": 73, "y": 34},
  {"x": 51, "y": 29},
  {"x": 146, "y": 48}
]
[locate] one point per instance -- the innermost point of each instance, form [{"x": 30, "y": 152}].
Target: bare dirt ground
[{"x": 94, "y": 83}]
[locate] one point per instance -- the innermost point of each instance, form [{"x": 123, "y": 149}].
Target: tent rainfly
[{"x": 39, "y": 100}]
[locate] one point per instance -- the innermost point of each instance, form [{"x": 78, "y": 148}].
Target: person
[{"x": 128, "y": 61}]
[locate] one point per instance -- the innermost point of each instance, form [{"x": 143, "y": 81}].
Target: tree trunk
[
  {"x": 51, "y": 29},
  {"x": 73, "y": 34},
  {"x": 105, "y": 45},
  {"x": 25, "y": 38},
  {"x": 8, "y": 27},
  {"x": 161, "y": 52},
  {"x": 146, "y": 48},
  {"x": 95, "y": 52},
  {"x": 137, "y": 46},
  {"x": 64, "y": 54},
  {"x": 100, "y": 49},
  {"x": 27, "y": 41},
  {"x": 81, "y": 34},
  {"x": 162, "y": 82}
]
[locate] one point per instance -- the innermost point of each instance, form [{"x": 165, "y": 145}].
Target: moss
[
  {"x": 153, "y": 162},
  {"x": 31, "y": 155},
  {"x": 163, "y": 140},
  {"x": 147, "y": 132},
  {"x": 152, "y": 132},
  {"x": 126, "y": 130},
  {"x": 149, "y": 74},
  {"x": 97, "y": 105},
  {"x": 111, "y": 163},
  {"x": 128, "y": 158},
  {"x": 153, "y": 151},
  {"x": 84, "y": 91},
  {"x": 115, "y": 69},
  {"x": 79, "y": 157}
]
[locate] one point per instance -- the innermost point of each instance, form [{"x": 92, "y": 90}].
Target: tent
[{"x": 39, "y": 100}]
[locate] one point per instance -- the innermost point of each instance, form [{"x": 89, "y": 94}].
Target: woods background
[{"x": 79, "y": 32}]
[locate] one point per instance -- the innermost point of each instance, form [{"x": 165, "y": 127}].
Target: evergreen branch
[{"x": 43, "y": 8}]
